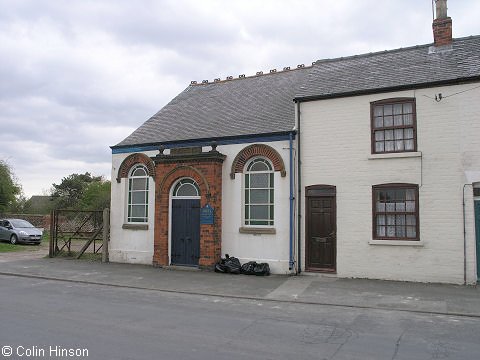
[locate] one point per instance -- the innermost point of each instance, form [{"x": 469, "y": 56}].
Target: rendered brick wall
[{"x": 336, "y": 150}]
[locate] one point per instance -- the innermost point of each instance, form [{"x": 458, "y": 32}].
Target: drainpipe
[
  {"x": 299, "y": 197},
  {"x": 464, "y": 240},
  {"x": 291, "y": 263}
]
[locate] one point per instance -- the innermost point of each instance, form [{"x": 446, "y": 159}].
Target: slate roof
[
  {"x": 401, "y": 68},
  {"x": 260, "y": 104},
  {"x": 264, "y": 104}
]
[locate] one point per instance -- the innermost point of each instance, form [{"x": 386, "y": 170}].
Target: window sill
[
  {"x": 411, "y": 154},
  {"x": 415, "y": 243},
  {"x": 135, "y": 226},
  {"x": 256, "y": 230}
]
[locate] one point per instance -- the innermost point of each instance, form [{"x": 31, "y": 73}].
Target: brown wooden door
[{"x": 321, "y": 240}]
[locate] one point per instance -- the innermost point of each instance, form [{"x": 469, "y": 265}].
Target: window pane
[
  {"x": 398, "y": 120},
  {"x": 389, "y": 145},
  {"x": 399, "y": 145},
  {"x": 411, "y": 220},
  {"x": 138, "y": 197},
  {"x": 408, "y": 119},
  {"x": 400, "y": 220},
  {"x": 381, "y": 231},
  {"x": 389, "y": 135},
  {"x": 398, "y": 134},
  {"x": 247, "y": 212},
  {"x": 397, "y": 109},
  {"x": 259, "y": 196},
  {"x": 409, "y": 133},
  {"x": 410, "y": 194},
  {"x": 140, "y": 171},
  {"x": 187, "y": 190},
  {"x": 259, "y": 180},
  {"x": 400, "y": 206},
  {"x": 411, "y": 232},
  {"x": 138, "y": 211},
  {"x": 380, "y": 219},
  {"x": 378, "y": 122},
  {"x": 407, "y": 108},
  {"x": 409, "y": 145},
  {"x": 259, "y": 212},
  {"x": 378, "y": 110},
  {"x": 138, "y": 184},
  {"x": 271, "y": 213},
  {"x": 400, "y": 231},
  {"x": 391, "y": 231},
  {"x": 259, "y": 166},
  {"x": 410, "y": 206},
  {"x": 379, "y": 135},
  {"x": 388, "y": 121},
  {"x": 387, "y": 109},
  {"x": 379, "y": 147},
  {"x": 390, "y": 219},
  {"x": 380, "y": 207}
]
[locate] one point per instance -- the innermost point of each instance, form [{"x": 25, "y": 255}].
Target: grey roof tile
[
  {"x": 405, "y": 67},
  {"x": 253, "y": 105}
]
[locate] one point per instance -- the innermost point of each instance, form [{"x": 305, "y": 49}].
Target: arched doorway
[{"x": 185, "y": 223}]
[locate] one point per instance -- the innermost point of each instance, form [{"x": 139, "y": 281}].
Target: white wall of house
[
  {"x": 271, "y": 248},
  {"x": 129, "y": 245},
  {"x": 336, "y": 150}
]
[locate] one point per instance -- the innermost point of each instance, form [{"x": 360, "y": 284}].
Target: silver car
[{"x": 19, "y": 231}]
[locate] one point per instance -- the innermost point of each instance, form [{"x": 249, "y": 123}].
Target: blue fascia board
[{"x": 204, "y": 142}]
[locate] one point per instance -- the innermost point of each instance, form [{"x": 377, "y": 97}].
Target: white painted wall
[
  {"x": 270, "y": 248},
  {"x": 126, "y": 245},
  {"x": 336, "y": 151}
]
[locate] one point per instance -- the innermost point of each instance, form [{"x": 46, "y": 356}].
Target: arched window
[
  {"x": 138, "y": 194},
  {"x": 186, "y": 188},
  {"x": 259, "y": 193}
]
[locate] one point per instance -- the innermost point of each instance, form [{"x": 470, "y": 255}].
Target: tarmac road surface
[{"x": 40, "y": 316}]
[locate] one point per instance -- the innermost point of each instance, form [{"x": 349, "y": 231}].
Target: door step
[{"x": 181, "y": 268}]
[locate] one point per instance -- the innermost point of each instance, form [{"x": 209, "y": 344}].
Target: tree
[
  {"x": 70, "y": 191},
  {"x": 96, "y": 196},
  {"x": 9, "y": 188}
]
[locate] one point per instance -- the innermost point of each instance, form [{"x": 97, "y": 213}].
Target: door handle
[{"x": 320, "y": 239}]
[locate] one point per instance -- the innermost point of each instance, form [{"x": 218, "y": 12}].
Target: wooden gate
[{"x": 74, "y": 233}]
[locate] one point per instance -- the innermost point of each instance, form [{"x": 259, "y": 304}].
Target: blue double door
[{"x": 185, "y": 232}]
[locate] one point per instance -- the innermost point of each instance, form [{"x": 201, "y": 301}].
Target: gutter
[{"x": 458, "y": 81}]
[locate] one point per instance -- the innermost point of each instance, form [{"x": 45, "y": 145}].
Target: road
[{"x": 121, "y": 323}]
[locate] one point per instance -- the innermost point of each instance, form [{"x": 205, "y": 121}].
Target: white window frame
[
  {"x": 130, "y": 191},
  {"x": 246, "y": 204}
]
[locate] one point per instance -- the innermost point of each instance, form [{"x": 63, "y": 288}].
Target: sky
[{"x": 78, "y": 76}]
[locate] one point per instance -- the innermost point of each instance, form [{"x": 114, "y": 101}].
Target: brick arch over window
[
  {"x": 133, "y": 159},
  {"x": 257, "y": 150}
]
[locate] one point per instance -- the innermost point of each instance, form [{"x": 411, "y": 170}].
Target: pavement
[{"x": 442, "y": 299}]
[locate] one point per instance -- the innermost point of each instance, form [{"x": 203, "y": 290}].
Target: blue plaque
[{"x": 206, "y": 215}]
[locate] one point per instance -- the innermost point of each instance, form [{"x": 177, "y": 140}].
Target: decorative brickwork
[
  {"x": 206, "y": 170},
  {"x": 133, "y": 159},
  {"x": 442, "y": 32},
  {"x": 257, "y": 150}
]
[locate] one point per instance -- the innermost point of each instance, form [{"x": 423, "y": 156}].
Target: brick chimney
[{"x": 442, "y": 25}]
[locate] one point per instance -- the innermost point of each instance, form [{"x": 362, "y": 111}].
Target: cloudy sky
[{"x": 77, "y": 76}]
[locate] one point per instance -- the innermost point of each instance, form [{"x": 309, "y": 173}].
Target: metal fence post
[
  {"x": 51, "y": 249},
  {"x": 106, "y": 231}
]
